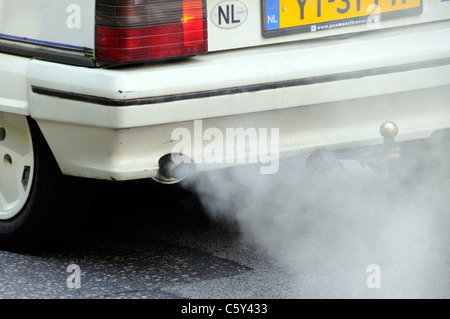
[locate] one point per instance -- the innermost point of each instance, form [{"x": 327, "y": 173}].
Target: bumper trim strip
[{"x": 238, "y": 90}]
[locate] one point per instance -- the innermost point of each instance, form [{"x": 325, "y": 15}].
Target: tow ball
[
  {"x": 389, "y": 130},
  {"x": 322, "y": 162}
]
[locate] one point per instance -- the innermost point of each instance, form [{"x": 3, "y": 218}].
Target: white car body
[{"x": 319, "y": 89}]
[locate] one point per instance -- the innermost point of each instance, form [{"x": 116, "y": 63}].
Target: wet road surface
[{"x": 132, "y": 249}]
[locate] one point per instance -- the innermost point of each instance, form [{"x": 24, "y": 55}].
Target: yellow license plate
[{"x": 282, "y": 17}]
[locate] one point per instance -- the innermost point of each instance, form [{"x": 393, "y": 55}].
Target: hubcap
[{"x": 16, "y": 164}]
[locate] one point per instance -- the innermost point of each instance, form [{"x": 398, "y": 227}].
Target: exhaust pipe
[
  {"x": 173, "y": 168},
  {"x": 321, "y": 162}
]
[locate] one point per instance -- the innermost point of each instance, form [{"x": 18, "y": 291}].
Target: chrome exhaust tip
[{"x": 173, "y": 168}]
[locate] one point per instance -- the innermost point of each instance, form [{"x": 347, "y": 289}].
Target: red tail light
[{"x": 145, "y": 30}]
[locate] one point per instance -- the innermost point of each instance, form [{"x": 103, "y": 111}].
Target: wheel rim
[{"x": 16, "y": 164}]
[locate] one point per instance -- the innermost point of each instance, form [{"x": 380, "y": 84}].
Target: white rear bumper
[{"x": 332, "y": 93}]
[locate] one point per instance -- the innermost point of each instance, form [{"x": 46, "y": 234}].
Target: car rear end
[
  {"x": 117, "y": 87},
  {"x": 327, "y": 75}
]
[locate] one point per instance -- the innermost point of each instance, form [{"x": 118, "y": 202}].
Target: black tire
[{"x": 55, "y": 207}]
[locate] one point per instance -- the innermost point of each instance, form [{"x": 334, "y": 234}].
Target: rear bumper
[{"x": 330, "y": 93}]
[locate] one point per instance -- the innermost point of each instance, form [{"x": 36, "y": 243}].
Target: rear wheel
[{"x": 38, "y": 205}]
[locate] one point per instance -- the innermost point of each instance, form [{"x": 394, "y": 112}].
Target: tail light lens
[{"x": 145, "y": 30}]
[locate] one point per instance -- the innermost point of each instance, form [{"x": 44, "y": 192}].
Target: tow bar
[{"x": 322, "y": 162}]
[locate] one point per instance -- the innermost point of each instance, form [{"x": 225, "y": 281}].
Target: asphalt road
[{"x": 156, "y": 242}]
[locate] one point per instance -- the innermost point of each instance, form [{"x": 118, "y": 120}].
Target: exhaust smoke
[{"x": 349, "y": 234}]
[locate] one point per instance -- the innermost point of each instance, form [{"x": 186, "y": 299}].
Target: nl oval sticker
[{"x": 229, "y": 14}]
